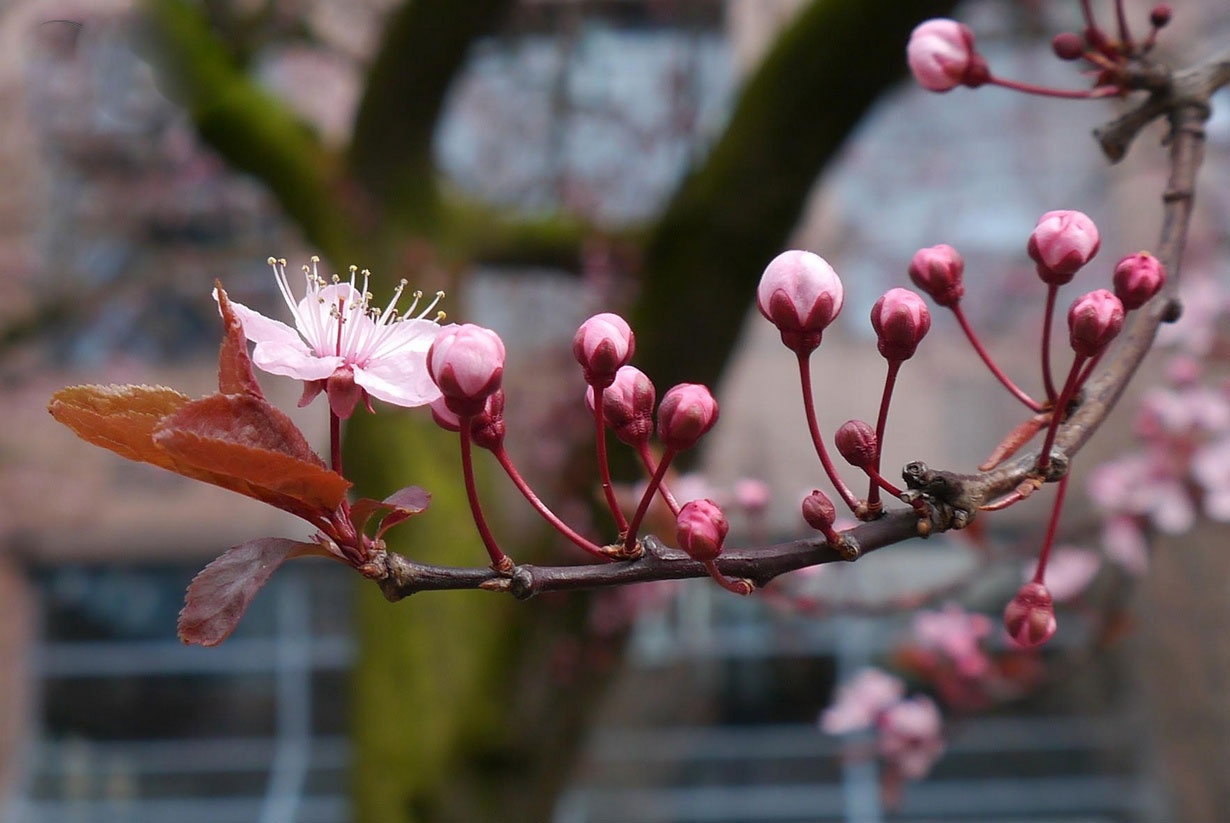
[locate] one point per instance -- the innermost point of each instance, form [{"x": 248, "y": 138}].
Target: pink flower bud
[
  {"x": 800, "y": 294},
  {"x": 627, "y": 405},
  {"x": 1093, "y": 321},
  {"x": 937, "y": 270},
  {"x": 901, "y": 320},
  {"x": 601, "y": 345},
  {"x": 941, "y": 55},
  {"x": 1068, "y": 46},
  {"x": 1030, "y": 616},
  {"x": 1061, "y": 243},
  {"x": 466, "y": 362},
  {"x": 701, "y": 529},
  {"x": 686, "y": 412},
  {"x": 1137, "y": 278},
  {"x": 819, "y": 511},
  {"x": 856, "y": 441},
  {"x": 1160, "y": 15}
]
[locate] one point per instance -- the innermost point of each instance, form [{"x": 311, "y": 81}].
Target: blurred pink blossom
[
  {"x": 911, "y": 736},
  {"x": 1188, "y": 410},
  {"x": 861, "y": 700},
  {"x": 1211, "y": 469},
  {"x": 1140, "y": 484},
  {"x": 955, "y": 633},
  {"x": 1124, "y": 543},
  {"x": 752, "y": 494},
  {"x": 1068, "y": 572}
]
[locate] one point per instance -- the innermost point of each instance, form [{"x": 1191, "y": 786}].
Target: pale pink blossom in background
[
  {"x": 956, "y": 634},
  {"x": 861, "y": 700},
  {"x": 1188, "y": 410},
  {"x": 1211, "y": 469},
  {"x": 1124, "y": 544},
  {"x": 752, "y": 495},
  {"x": 1068, "y": 572},
  {"x": 1204, "y": 302},
  {"x": 1139, "y": 484},
  {"x": 910, "y": 736}
]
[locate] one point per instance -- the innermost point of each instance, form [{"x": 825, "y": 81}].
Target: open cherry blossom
[{"x": 342, "y": 345}]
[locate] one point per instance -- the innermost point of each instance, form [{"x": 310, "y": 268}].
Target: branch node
[
  {"x": 848, "y": 547},
  {"x": 656, "y": 548},
  {"x": 522, "y": 582}
]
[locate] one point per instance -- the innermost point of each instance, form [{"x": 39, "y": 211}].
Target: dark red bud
[
  {"x": 686, "y": 412},
  {"x": 938, "y": 270},
  {"x": 901, "y": 320},
  {"x": 1137, "y": 278},
  {"x": 819, "y": 511},
  {"x": 1094, "y": 320},
  {"x": 1030, "y": 616},
  {"x": 856, "y": 442},
  {"x": 701, "y": 528},
  {"x": 1068, "y": 46}
]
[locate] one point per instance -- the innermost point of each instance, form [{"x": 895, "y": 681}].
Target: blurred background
[{"x": 541, "y": 160}]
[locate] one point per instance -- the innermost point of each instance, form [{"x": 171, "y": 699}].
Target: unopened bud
[
  {"x": 1061, "y": 243},
  {"x": 942, "y": 56},
  {"x": 1160, "y": 15},
  {"x": 701, "y": 528},
  {"x": 1137, "y": 278},
  {"x": 487, "y": 427},
  {"x": 1030, "y": 616},
  {"x": 819, "y": 511},
  {"x": 601, "y": 345},
  {"x": 856, "y": 441},
  {"x": 800, "y": 294},
  {"x": 938, "y": 270},
  {"x": 1068, "y": 46},
  {"x": 466, "y": 362},
  {"x": 687, "y": 411},
  {"x": 901, "y": 320},
  {"x": 1094, "y": 320},
  {"x": 627, "y": 405}
]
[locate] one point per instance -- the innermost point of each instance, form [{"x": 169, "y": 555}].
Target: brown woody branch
[{"x": 953, "y": 499}]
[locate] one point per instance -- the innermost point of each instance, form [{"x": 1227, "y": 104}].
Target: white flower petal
[
  {"x": 402, "y": 380},
  {"x": 294, "y": 360},
  {"x": 259, "y": 329}
]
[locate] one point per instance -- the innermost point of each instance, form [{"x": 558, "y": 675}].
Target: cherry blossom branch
[{"x": 951, "y": 499}]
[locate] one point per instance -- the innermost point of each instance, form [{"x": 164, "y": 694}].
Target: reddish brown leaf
[
  {"x": 244, "y": 444},
  {"x": 219, "y": 595},
  {"x": 119, "y": 418},
  {"x": 235, "y": 375},
  {"x": 243, "y": 420}
]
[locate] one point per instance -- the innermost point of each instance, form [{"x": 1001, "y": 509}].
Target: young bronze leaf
[
  {"x": 398, "y": 506},
  {"x": 219, "y": 595},
  {"x": 119, "y": 418},
  {"x": 244, "y": 420},
  {"x": 244, "y": 444},
  {"x": 235, "y": 375}
]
